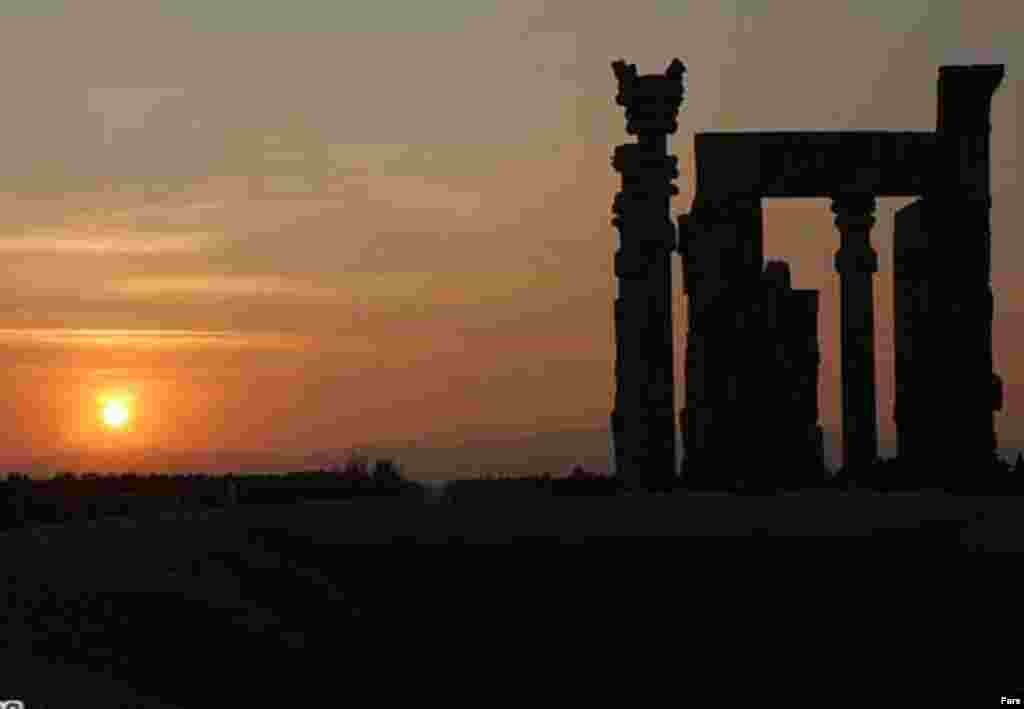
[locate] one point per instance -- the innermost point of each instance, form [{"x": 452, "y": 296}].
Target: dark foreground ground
[{"x": 261, "y": 605}]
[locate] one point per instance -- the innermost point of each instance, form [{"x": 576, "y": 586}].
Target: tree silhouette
[
  {"x": 387, "y": 474},
  {"x": 356, "y": 468}
]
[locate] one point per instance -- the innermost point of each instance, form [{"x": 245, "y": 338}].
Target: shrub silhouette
[
  {"x": 387, "y": 472},
  {"x": 580, "y": 473},
  {"x": 356, "y": 468}
]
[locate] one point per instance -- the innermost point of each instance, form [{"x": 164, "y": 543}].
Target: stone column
[
  {"x": 857, "y": 262},
  {"x": 959, "y": 203},
  {"x": 721, "y": 245},
  {"x": 643, "y": 420}
]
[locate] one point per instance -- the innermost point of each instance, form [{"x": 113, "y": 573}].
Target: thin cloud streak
[
  {"x": 415, "y": 289},
  {"x": 126, "y": 243},
  {"x": 178, "y": 214},
  {"x": 220, "y": 285},
  {"x": 151, "y": 339}
]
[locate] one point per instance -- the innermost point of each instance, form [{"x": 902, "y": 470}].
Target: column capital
[
  {"x": 651, "y": 101},
  {"x": 854, "y": 211}
]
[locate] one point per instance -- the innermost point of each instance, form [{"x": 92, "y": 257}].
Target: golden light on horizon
[{"x": 116, "y": 410}]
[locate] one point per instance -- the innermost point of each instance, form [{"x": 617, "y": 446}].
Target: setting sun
[{"x": 116, "y": 412}]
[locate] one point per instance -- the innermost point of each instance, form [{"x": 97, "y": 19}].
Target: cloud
[
  {"x": 416, "y": 289},
  {"x": 149, "y": 339},
  {"x": 110, "y": 242},
  {"x": 976, "y": 55},
  {"x": 419, "y": 193},
  {"x": 217, "y": 285},
  {"x": 191, "y": 214},
  {"x": 126, "y": 109}
]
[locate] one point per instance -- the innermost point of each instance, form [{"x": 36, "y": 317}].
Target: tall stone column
[
  {"x": 959, "y": 203},
  {"x": 643, "y": 421},
  {"x": 721, "y": 245},
  {"x": 857, "y": 262}
]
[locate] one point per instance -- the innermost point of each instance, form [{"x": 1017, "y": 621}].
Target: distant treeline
[{"x": 67, "y": 497}]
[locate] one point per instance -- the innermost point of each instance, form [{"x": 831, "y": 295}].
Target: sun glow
[{"x": 116, "y": 411}]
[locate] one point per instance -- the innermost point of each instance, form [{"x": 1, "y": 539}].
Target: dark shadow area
[{"x": 310, "y": 593}]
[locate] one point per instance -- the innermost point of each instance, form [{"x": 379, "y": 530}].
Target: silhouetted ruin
[
  {"x": 788, "y": 358},
  {"x": 751, "y": 350},
  {"x": 643, "y": 422}
]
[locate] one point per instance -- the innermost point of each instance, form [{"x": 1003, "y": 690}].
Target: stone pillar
[
  {"x": 961, "y": 198},
  {"x": 720, "y": 242},
  {"x": 807, "y": 362},
  {"x": 784, "y": 401},
  {"x": 918, "y": 335},
  {"x": 643, "y": 420},
  {"x": 857, "y": 262}
]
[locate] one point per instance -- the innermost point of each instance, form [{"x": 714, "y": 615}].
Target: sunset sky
[{"x": 283, "y": 228}]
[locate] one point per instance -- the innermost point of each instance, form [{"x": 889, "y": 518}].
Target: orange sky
[{"x": 303, "y": 229}]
